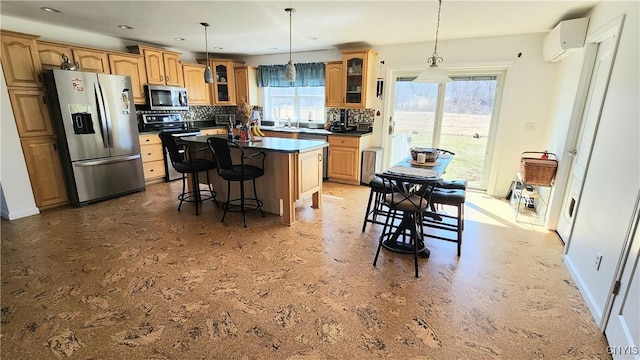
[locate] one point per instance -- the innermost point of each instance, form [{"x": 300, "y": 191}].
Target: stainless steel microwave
[{"x": 166, "y": 97}]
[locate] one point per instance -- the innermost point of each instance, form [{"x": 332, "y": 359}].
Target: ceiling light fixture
[
  {"x": 125, "y": 27},
  {"x": 290, "y": 69},
  {"x": 48, "y": 9},
  {"x": 208, "y": 74},
  {"x": 434, "y": 74}
]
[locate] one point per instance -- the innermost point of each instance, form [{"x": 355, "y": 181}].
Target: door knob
[{"x": 573, "y": 152}]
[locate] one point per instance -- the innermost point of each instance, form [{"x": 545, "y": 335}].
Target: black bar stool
[
  {"x": 440, "y": 220},
  {"x": 182, "y": 162},
  {"x": 221, "y": 148}
]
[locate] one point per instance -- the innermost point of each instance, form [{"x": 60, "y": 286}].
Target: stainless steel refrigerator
[{"x": 97, "y": 129}]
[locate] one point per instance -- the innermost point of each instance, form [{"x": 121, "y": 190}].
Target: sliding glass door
[{"x": 456, "y": 116}]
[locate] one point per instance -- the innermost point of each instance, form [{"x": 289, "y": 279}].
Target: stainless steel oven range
[{"x": 168, "y": 123}]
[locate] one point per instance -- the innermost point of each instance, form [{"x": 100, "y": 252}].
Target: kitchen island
[{"x": 293, "y": 172}]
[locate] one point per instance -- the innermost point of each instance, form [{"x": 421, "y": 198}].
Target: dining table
[{"x": 396, "y": 239}]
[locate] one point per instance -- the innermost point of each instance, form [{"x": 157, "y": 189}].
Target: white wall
[
  {"x": 15, "y": 188},
  {"x": 527, "y": 91},
  {"x": 612, "y": 182}
]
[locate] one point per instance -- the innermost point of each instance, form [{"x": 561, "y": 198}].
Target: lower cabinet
[
  {"x": 309, "y": 173},
  {"x": 345, "y": 157},
  {"x": 280, "y": 134},
  {"x": 45, "y": 171},
  {"x": 152, "y": 157},
  {"x": 213, "y": 131}
]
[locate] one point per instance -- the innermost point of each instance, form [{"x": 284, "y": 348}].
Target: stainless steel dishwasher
[{"x": 325, "y": 151}]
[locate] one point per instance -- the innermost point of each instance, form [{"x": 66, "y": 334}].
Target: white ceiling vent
[{"x": 566, "y": 37}]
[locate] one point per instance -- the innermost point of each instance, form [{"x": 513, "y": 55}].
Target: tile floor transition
[{"x": 132, "y": 278}]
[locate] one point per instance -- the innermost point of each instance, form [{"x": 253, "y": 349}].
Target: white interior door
[
  {"x": 584, "y": 141},
  {"x": 623, "y": 326}
]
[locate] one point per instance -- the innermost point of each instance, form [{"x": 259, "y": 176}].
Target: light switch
[{"x": 529, "y": 126}]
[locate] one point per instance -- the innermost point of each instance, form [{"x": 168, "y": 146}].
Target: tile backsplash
[{"x": 354, "y": 116}]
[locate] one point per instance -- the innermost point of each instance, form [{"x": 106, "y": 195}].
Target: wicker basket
[{"x": 538, "y": 170}]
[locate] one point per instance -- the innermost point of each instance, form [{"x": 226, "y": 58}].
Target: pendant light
[
  {"x": 434, "y": 74},
  {"x": 208, "y": 74},
  {"x": 290, "y": 69}
]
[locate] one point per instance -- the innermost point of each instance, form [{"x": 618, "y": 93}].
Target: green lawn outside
[{"x": 463, "y": 134}]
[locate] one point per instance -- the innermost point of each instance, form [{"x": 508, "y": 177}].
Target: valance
[{"x": 307, "y": 74}]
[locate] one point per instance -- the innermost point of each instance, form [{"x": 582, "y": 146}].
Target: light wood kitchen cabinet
[
  {"x": 31, "y": 112},
  {"x": 152, "y": 157},
  {"x": 213, "y": 131},
  {"x": 334, "y": 95},
  {"x": 280, "y": 134},
  {"x": 309, "y": 173},
  {"x": 345, "y": 157},
  {"x": 246, "y": 82},
  {"x": 163, "y": 67},
  {"x": 45, "y": 171},
  {"x": 358, "y": 68},
  {"x": 51, "y": 54},
  {"x": 133, "y": 66},
  {"x": 224, "y": 90},
  {"x": 91, "y": 60},
  {"x": 199, "y": 91},
  {"x": 20, "y": 60}
]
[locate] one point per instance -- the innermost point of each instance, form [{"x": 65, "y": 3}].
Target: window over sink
[{"x": 296, "y": 103}]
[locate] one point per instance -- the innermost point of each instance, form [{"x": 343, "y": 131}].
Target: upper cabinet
[
  {"x": 358, "y": 78},
  {"x": 20, "y": 60},
  {"x": 334, "y": 95},
  {"x": 133, "y": 66},
  {"x": 246, "y": 81},
  {"x": 92, "y": 60},
  {"x": 199, "y": 91},
  {"x": 51, "y": 54},
  {"x": 163, "y": 67},
  {"x": 224, "y": 90}
]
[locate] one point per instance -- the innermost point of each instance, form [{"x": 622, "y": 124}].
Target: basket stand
[{"x": 527, "y": 203}]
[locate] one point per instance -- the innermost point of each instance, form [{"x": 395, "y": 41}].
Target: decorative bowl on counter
[{"x": 431, "y": 153}]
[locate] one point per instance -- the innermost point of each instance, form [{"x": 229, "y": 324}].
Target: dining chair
[
  {"x": 407, "y": 198},
  {"x": 441, "y": 220},
  {"x": 183, "y": 162},
  {"x": 376, "y": 199},
  {"x": 221, "y": 149}
]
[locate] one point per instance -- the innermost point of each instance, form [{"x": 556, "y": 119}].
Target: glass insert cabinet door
[
  {"x": 355, "y": 80},
  {"x": 224, "y": 88},
  {"x": 222, "y": 83}
]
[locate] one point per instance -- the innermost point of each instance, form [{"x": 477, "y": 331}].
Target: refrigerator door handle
[
  {"x": 102, "y": 114},
  {"x": 107, "y": 161}
]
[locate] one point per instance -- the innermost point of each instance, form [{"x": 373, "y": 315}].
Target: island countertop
[
  {"x": 269, "y": 143},
  {"x": 292, "y": 172}
]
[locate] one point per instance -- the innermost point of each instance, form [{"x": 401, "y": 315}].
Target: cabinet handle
[
  {"x": 44, "y": 99},
  {"x": 39, "y": 77},
  {"x": 166, "y": 78},
  {"x": 151, "y": 170}
]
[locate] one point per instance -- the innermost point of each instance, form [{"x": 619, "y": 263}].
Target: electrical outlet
[
  {"x": 598, "y": 261},
  {"x": 529, "y": 126}
]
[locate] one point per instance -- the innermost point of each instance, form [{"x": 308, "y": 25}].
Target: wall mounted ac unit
[{"x": 564, "y": 39}]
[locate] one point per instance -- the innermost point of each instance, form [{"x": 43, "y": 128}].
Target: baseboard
[
  {"x": 586, "y": 295},
  {"x": 13, "y": 215}
]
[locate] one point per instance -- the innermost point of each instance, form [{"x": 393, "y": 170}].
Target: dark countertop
[
  {"x": 314, "y": 131},
  {"x": 270, "y": 144}
]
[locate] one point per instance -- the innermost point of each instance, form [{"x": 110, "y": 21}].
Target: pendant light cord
[
  {"x": 290, "y": 11},
  {"x": 435, "y": 50}
]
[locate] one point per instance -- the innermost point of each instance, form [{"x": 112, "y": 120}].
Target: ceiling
[{"x": 262, "y": 27}]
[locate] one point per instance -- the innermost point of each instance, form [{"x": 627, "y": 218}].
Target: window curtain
[{"x": 307, "y": 74}]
